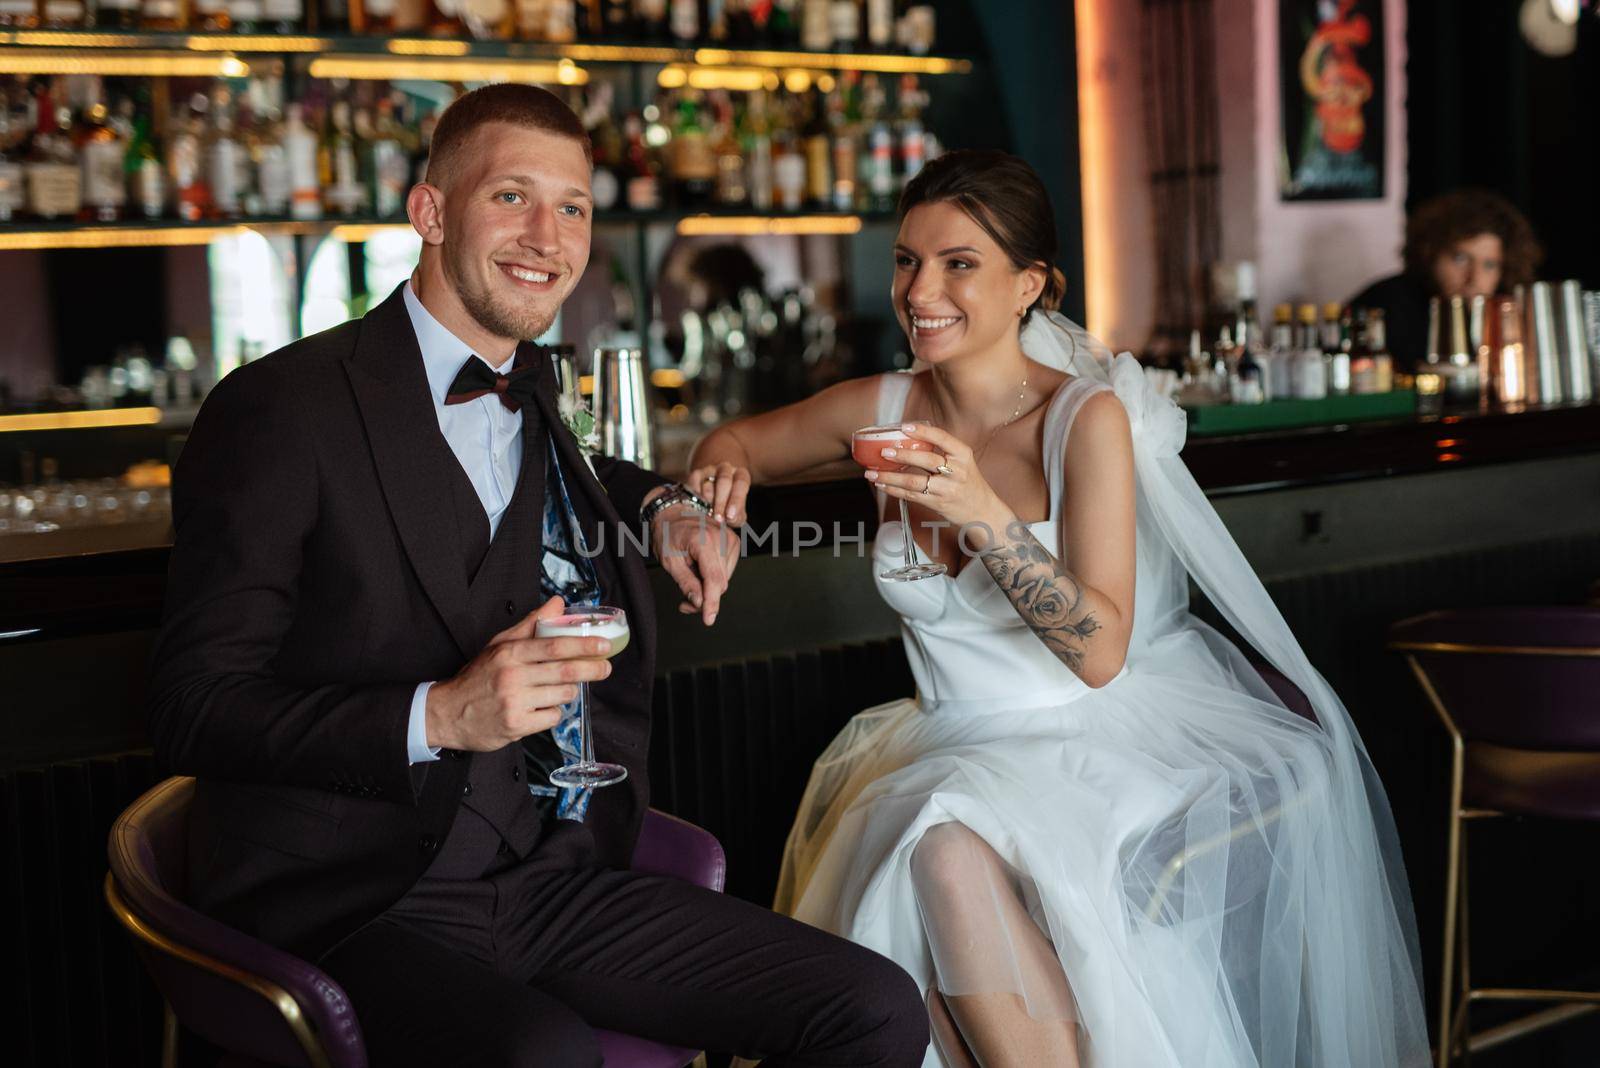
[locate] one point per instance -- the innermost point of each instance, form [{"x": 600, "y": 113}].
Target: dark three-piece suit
[{"x": 330, "y": 555}]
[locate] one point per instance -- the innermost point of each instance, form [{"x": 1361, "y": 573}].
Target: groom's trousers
[{"x": 520, "y": 967}]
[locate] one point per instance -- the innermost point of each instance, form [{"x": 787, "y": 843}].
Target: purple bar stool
[
  {"x": 1518, "y": 690},
  {"x": 269, "y": 1008}
]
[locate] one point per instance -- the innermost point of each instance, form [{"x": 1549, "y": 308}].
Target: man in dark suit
[{"x": 348, "y": 665}]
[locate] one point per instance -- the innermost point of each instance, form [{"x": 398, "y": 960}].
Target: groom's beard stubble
[{"x": 500, "y": 317}]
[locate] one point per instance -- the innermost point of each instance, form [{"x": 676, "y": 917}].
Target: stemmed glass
[
  {"x": 584, "y": 621},
  {"x": 866, "y": 448}
]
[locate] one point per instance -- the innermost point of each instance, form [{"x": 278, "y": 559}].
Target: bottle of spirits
[
  {"x": 247, "y": 15},
  {"x": 1378, "y": 345},
  {"x": 269, "y": 156},
  {"x": 284, "y": 16},
  {"x": 605, "y": 184},
  {"x": 191, "y": 199},
  {"x": 18, "y": 15},
  {"x": 1353, "y": 339},
  {"x": 1281, "y": 354},
  {"x": 880, "y": 25},
  {"x": 487, "y": 20},
  {"x": 844, "y": 121},
  {"x": 101, "y": 149},
  {"x": 643, "y": 188},
  {"x": 62, "y": 14},
  {"x": 161, "y": 15},
  {"x": 145, "y": 171},
  {"x": 444, "y": 19},
  {"x": 13, "y": 185},
  {"x": 225, "y": 161},
  {"x": 783, "y": 24},
  {"x": 650, "y": 19},
  {"x": 389, "y": 169},
  {"x": 816, "y": 25},
  {"x": 113, "y": 14},
  {"x": 55, "y": 181},
  {"x": 913, "y": 142},
  {"x": 684, "y": 20},
  {"x": 377, "y": 17},
  {"x": 1336, "y": 357},
  {"x": 732, "y": 175},
  {"x": 211, "y": 16},
  {"x": 344, "y": 193},
  {"x": 756, "y": 142},
  {"x": 1311, "y": 366},
  {"x": 818, "y": 144},
  {"x": 694, "y": 166},
  {"x": 300, "y": 146},
  {"x": 844, "y": 25}
]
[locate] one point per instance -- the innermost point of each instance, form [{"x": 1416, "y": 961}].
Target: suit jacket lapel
[{"x": 412, "y": 458}]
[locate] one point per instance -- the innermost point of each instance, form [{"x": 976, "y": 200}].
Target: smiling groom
[{"x": 369, "y": 523}]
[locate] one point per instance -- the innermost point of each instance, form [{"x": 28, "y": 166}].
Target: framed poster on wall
[{"x": 1331, "y": 94}]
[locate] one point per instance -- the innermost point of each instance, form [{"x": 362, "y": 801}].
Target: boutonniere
[{"x": 580, "y": 423}]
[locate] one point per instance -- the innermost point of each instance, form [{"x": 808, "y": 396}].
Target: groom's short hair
[{"x": 527, "y": 106}]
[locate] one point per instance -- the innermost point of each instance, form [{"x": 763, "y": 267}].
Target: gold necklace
[{"x": 1022, "y": 398}]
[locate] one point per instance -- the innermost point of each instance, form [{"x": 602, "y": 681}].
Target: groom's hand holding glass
[
  {"x": 514, "y": 687},
  {"x": 944, "y": 478}
]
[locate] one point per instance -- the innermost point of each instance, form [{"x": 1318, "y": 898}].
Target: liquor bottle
[
  {"x": 247, "y": 15},
  {"x": 1281, "y": 354},
  {"x": 915, "y": 29},
  {"x": 283, "y": 16},
  {"x": 788, "y": 157},
  {"x": 101, "y": 150},
  {"x": 732, "y": 176},
  {"x": 783, "y": 24},
  {"x": 1336, "y": 357},
  {"x": 643, "y": 188},
  {"x": 561, "y": 21},
  {"x": 112, "y": 14},
  {"x": 816, "y": 25},
  {"x": 694, "y": 162},
  {"x": 605, "y": 183},
  {"x": 844, "y": 121},
  {"x": 62, "y": 14},
  {"x": 880, "y": 148},
  {"x": 388, "y": 169},
  {"x": 161, "y": 15},
  {"x": 1353, "y": 336},
  {"x": 757, "y": 145},
  {"x": 1378, "y": 345},
  {"x": 844, "y": 25},
  {"x": 300, "y": 146},
  {"x": 684, "y": 20},
  {"x": 333, "y": 16},
  {"x": 339, "y": 165},
  {"x": 13, "y": 184},
  {"x": 18, "y": 15},
  {"x": 55, "y": 182},
  {"x": 912, "y": 134},
  {"x": 487, "y": 20},
  {"x": 211, "y": 16},
  {"x": 650, "y": 18},
  {"x": 376, "y": 17},
  {"x": 1310, "y": 365},
  {"x": 225, "y": 161},
  {"x": 444, "y": 19},
  {"x": 145, "y": 172},
  {"x": 818, "y": 147},
  {"x": 880, "y": 24},
  {"x": 191, "y": 199}
]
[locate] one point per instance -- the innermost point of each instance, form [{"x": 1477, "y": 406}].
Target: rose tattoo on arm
[{"x": 1044, "y": 593}]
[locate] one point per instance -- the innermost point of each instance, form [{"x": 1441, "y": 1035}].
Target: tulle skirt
[{"x": 1186, "y": 849}]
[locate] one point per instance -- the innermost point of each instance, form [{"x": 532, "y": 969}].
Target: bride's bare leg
[
  {"x": 946, "y": 1035},
  {"x": 983, "y": 939}
]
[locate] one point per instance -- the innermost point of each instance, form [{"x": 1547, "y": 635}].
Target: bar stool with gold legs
[{"x": 1518, "y": 689}]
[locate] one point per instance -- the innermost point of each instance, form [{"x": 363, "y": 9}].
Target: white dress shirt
[{"x": 486, "y": 438}]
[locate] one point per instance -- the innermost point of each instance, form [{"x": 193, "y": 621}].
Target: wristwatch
[{"x": 677, "y": 493}]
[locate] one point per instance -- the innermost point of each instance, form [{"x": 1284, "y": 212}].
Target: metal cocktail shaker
[
  {"x": 1539, "y": 337},
  {"x": 621, "y": 410},
  {"x": 1576, "y": 380}
]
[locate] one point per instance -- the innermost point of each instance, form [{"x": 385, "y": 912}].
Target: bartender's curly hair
[{"x": 1440, "y": 222}]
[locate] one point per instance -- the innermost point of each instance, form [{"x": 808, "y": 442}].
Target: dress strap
[
  {"x": 1058, "y": 420},
  {"x": 894, "y": 388}
]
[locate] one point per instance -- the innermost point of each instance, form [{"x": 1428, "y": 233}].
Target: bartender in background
[{"x": 1465, "y": 243}]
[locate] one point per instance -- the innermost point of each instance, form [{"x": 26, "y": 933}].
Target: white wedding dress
[{"x": 1216, "y": 875}]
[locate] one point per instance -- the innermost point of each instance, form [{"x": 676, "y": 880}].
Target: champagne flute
[
  {"x": 585, "y": 621},
  {"x": 866, "y": 448}
]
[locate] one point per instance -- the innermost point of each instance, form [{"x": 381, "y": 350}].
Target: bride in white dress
[{"x": 1096, "y": 835}]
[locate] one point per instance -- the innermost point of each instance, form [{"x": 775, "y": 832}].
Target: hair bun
[{"x": 1055, "y": 288}]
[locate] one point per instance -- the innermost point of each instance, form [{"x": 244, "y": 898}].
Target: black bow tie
[{"x": 476, "y": 379}]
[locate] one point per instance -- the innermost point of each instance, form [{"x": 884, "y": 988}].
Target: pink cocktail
[{"x": 866, "y": 448}]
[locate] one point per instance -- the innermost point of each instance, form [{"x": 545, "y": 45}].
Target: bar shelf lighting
[
  {"x": 80, "y": 420},
  {"x": 446, "y": 69},
  {"x": 123, "y": 64},
  {"x": 145, "y": 236},
  {"x": 745, "y": 225}
]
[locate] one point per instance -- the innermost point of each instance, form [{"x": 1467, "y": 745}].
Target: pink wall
[{"x": 1304, "y": 251}]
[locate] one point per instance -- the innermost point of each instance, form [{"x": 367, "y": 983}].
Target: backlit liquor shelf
[
  {"x": 69, "y": 234},
  {"x": 182, "y": 53}
]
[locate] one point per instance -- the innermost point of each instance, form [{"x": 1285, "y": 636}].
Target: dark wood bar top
[{"x": 96, "y": 585}]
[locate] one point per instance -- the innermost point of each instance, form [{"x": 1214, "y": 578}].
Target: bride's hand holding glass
[{"x": 944, "y": 479}]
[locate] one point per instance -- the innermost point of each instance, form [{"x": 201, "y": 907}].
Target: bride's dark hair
[{"x": 1005, "y": 196}]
